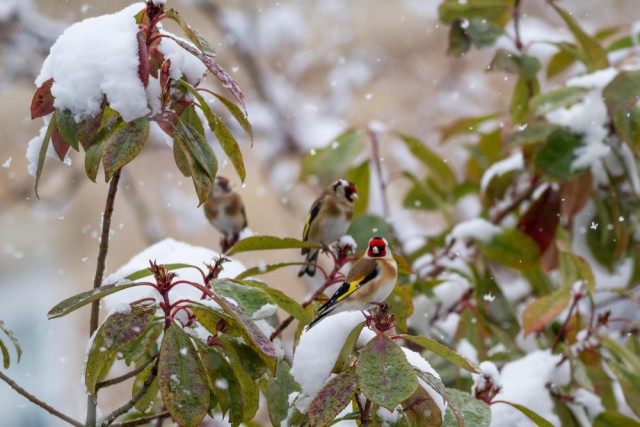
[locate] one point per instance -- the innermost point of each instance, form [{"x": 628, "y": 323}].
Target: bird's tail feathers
[
  {"x": 319, "y": 318},
  {"x": 310, "y": 267}
]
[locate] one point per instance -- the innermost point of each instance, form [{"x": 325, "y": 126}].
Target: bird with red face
[
  {"x": 369, "y": 282},
  {"x": 328, "y": 220}
]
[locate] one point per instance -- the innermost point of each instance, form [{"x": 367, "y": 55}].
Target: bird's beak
[
  {"x": 354, "y": 196},
  {"x": 375, "y": 250}
]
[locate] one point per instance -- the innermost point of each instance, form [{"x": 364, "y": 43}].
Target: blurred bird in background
[
  {"x": 225, "y": 211},
  {"x": 328, "y": 220},
  {"x": 369, "y": 282}
]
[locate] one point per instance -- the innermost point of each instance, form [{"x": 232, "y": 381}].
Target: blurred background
[{"x": 310, "y": 70}]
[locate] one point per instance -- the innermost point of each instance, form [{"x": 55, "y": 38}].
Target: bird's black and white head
[
  {"x": 378, "y": 248},
  {"x": 221, "y": 186},
  {"x": 345, "y": 190}
]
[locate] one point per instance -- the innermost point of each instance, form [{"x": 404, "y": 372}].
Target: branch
[
  {"x": 117, "y": 380},
  {"x": 97, "y": 280},
  {"x": 516, "y": 24},
  {"x": 130, "y": 404},
  {"x": 38, "y": 402},
  {"x": 143, "y": 420}
]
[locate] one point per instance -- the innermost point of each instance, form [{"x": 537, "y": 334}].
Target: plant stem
[
  {"x": 97, "y": 280},
  {"x": 117, "y": 380},
  {"x": 127, "y": 406},
  {"x": 143, "y": 420},
  {"x": 516, "y": 24},
  {"x": 38, "y": 402}
]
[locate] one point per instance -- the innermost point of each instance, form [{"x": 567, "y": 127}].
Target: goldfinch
[
  {"x": 328, "y": 220},
  {"x": 369, "y": 282},
  {"x": 225, "y": 211}
]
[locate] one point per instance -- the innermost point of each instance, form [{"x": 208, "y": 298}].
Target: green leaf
[
  {"x": 202, "y": 182},
  {"x": 285, "y": 302},
  {"x": 563, "y": 97},
  {"x": 182, "y": 378},
  {"x": 360, "y": 176},
  {"x": 238, "y": 114},
  {"x": 332, "y": 162},
  {"x": 75, "y": 302},
  {"x": 519, "y": 108},
  {"x": 251, "y": 300},
  {"x": 614, "y": 419},
  {"x": 117, "y": 331},
  {"x": 443, "y": 351},
  {"x": 386, "y": 377},
  {"x": 124, "y": 144},
  {"x": 140, "y": 348},
  {"x": 422, "y": 410},
  {"x": 574, "y": 268},
  {"x": 495, "y": 11},
  {"x": 533, "y": 134},
  {"x": 230, "y": 147},
  {"x": 346, "y": 353},
  {"x": 191, "y": 131},
  {"x": 540, "y": 422},
  {"x": 93, "y": 158},
  {"x": 249, "y": 393},
  {"x": 261, "y": 243},
  {"x": 627, "y": 125},
  {"x": 540, "y": 312},
  {"x": 557, "y": 155},
  {"x": 559, "y": 62},
  {"x": 595, "y": 57},
  {"x": 475, "y": 412},
  {"x": 264, "y": 269},
  {"x": 67, "y": 127},
  {"x": 440, "y": 170},
  {"x": 43, "y": 152},
  {"x": 187, "y": 30},
  {"x": 512, "y": 248},
  {"x": 482, "y": 32},
  {"x": 148, "y": 398},
  {"x": 278, "y": 392},
  {"x": 182, "y": 157},
  {"x": 6, "y": 359},
  {"x": 420, "y": 196},
  {"x": 13, "y": 339},
  {"x": 459, "y": 41},
  {"x": 333, "y": 398},
  {"x": 464, "y": 125},
  {"x": 623, "y": 92},
  {"x": 630, "y": 384}
]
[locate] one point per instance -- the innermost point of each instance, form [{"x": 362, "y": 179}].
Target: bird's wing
[
  {"x": 313, "y": 213},
  {"x": 364, "y": 273}
]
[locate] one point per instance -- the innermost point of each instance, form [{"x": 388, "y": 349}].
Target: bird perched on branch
[
  {"x": 369, "y": 282},
  {"x": 328, "y": 220},
  {"x": 225, "y": 211}
]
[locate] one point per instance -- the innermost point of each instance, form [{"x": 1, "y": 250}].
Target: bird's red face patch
[{"x": 377, "y": 247}]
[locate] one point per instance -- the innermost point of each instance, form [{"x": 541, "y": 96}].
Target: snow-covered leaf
[
  {"x": 333, "y": 397},
  {"x": 559, "y": 98},
  {"x": 123, "y": 145},
  {"x": 332, "y": 162},
  {"x": 182, "y": 378},
  {"x": 475, "y": 412},
  {"x": 557, "y": 155},
  {"x": 42, "y": 102},
  {"x": 543, "y": 310},
  {"x": 537, "y": 419},
  {"x": 118, "y": 331},
  {"x": 261, "y": 243},
  {"x": 386, "y": 377},
  {"x": 283, "y": 301},
  {"x": 249, "y": 299},
  {"x": 443, "y": 351},
  {"x": 75, "y": 302},
  {"x": 278, "y": 392}
]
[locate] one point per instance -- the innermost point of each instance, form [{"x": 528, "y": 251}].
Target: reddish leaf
[
  {"x": 545, "y": 309},
  {"x": 143, "y": 57},
  {"x": 156, "y": 59},
  {"x": 124, "y": 144},
  {"x": 541, "y": 219},
  {"x": 87, "y": 129},
  {"x": 42, "y": 102},
  {"x": 333, "y": 398},
  {"x": 215, "y": 68},
  {"x": 164, "y": 76},
  {"x": 59, "y": 144},
  {"x": 167, "y": 121},
  {"x": 575, "y": 194}
]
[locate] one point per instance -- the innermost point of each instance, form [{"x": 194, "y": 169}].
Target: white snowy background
[{"x": 322, "y": 67}]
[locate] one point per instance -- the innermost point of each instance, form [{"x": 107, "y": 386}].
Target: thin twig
[
  {"x": 516, "y": 24},
  {"x": 38, "y": 402},
  {"x": 97, "y": 280},
  {"x": 563, "y": 328},
  {"x": 130, "y": 404},
  {"x": 143, "y": 420},
  {"x": 117, "y": 380}
]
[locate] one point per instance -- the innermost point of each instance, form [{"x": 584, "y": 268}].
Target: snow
[
  {"x": 347, "y": 241},
  {"x": 34, "y": 146},
  {"x": 488, "y": 375},
  {"x": 7, "y": 163},
  {"x": 167, "y": 251},
  {"x": 588, "y": 117},
  {"x": 524, "y": 381},
  {"x": 514, "y": 162},
  {"x": 477, "y": 228},
  {"x": 466, "y": 349},
  {"x": 183, "y": 64},
  {"x": 265, "y": 311},
  {"x": 319, "y": 349},
  {"x": 96, "y": 57},
  {"x": 420, "y": 363},
  {"x": 590, "y": 401}
]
